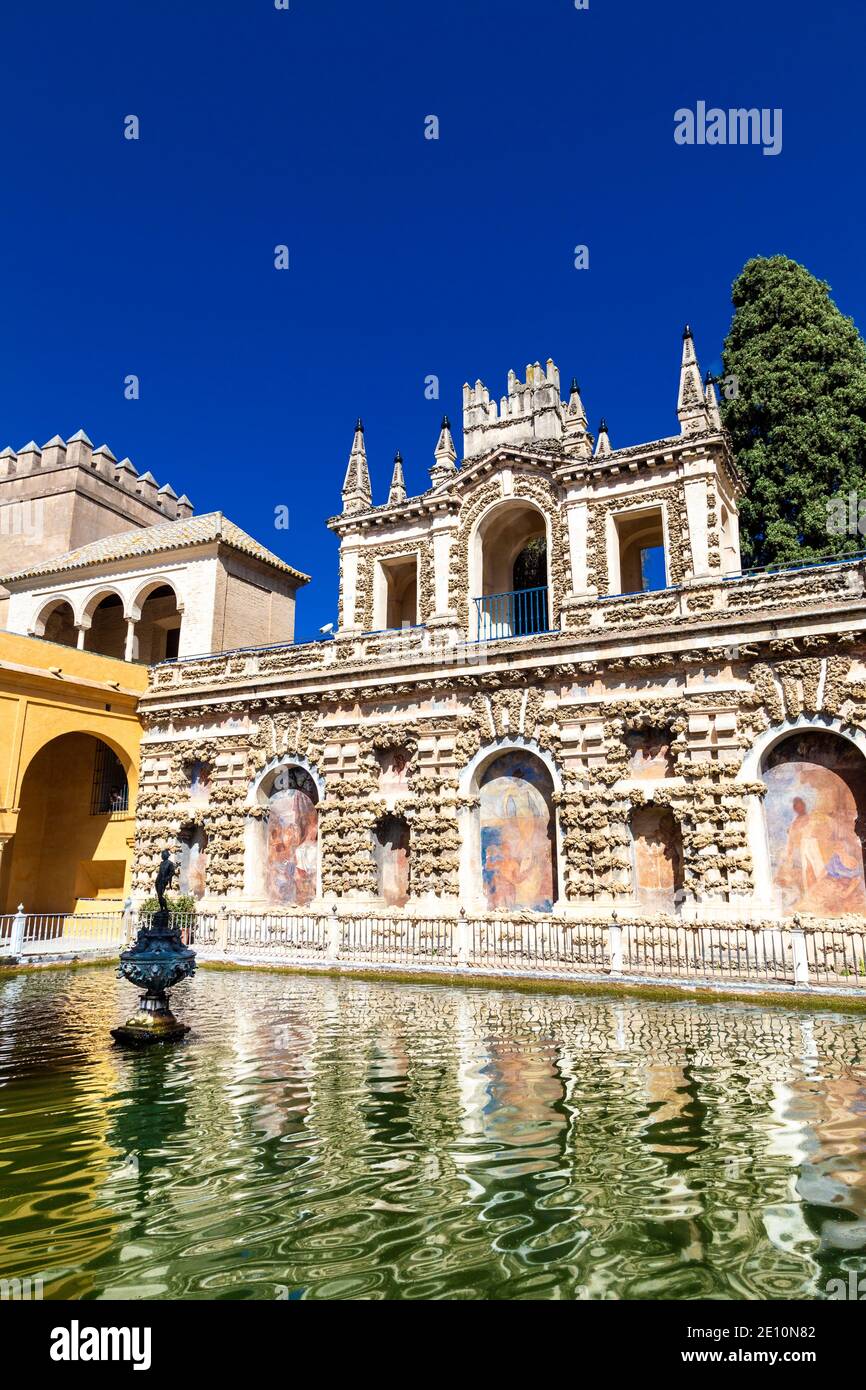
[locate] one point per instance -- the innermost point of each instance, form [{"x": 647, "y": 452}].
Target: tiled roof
[{"x": 151, "y": 540}]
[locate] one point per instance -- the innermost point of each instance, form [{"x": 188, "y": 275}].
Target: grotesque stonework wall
[{"x": 713, "y": 705}]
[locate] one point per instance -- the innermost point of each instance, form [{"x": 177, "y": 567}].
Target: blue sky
[{"x": 408, "y": 257}]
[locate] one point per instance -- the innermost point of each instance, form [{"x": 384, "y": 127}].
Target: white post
[
  {"x": 332, "y": 951},
  {"x": 129, "y": 648},
  {"x": 128, "y": 920},
  {"x": 19, "y": 924},
  {"x": 222, "y": 932},
  {"x": 614, "y": 944},
  {"x": 801, "y": 960},
  {"x": 462, "y": 938}
]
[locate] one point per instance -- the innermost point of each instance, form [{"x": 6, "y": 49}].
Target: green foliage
[
  {"x": 798, "y": 420},
  {"x": 183, "y": 904},
  {"x": 530, "y": 566}
]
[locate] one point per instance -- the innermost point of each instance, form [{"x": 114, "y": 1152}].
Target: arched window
[
  {"x": 657, "y": 845},
  {"x": 509, "y": 566},
  {"x": 814, "y": 810},
  {"x": 518, "y": 852},
  {"x": 110, "y": 792},
  {"x": 391, "y": 853}
]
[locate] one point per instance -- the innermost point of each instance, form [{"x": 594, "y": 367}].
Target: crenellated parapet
[{"x": 66, "y": 493}]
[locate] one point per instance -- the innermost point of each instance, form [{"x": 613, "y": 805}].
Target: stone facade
[
  {"x": 212, "y": 583},
  {"x": 635, "y": 724}
]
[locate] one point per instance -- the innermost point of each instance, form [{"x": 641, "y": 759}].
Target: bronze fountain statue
[{"x": 156, "y": 961}]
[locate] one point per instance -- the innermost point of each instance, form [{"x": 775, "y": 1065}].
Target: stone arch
[
  {"x": 55, "y": 621},
  {"x": 814, "y": 820},
  {"x": 658, "y": 866},
  {"x": 282, "y": 853},
  {"x": 499, "y": 535},
  {"x": 123, "y": 755},
  {"x": 94, "y": 598},
  {"x": 103, "y": 618},
  {"x": 147, "y": 587},
  {"x": 511, "y": 853},
  {"x": 157, "y": 615}
]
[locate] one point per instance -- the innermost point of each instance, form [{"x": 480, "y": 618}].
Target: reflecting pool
[{"x": 322, "y": 1138}]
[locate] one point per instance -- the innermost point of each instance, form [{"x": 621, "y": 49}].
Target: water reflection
[{"x": 331, "y": 1139}]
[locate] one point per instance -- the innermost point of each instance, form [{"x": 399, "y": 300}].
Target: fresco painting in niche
[
  {"x": 393, "y": 773},
  {"x": 816, "y": 785},
  {"x": 199, "y": 781},
  {"x": 391, "y": 853},
  {"x": 658, "y": 858},
  {"x": 517, "y": 827},
  {"x": 193, "y": 861},
  {"x": 649, "y": 753},
  {"x": 293, "y": 827}
]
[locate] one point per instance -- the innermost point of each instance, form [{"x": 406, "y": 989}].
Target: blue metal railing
[{"x": 515, "y": 614}]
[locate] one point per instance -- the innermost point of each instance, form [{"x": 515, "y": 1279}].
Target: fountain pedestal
[{"x": 156, "y": 961}]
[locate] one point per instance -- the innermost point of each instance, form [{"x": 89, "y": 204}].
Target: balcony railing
[{"x": 515, "y": 614}]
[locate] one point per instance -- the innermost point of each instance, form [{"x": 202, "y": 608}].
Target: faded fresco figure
[
  {"x": 658, "y": 857},
  {"x": 391, "y": 853},
  {"x": 293, "y": 848},
  {"x": 649, "y": 754},
  {"x": 393, "y": 774},
  {"x": 815, "y": 787},
  {"x": 517, "y": 827},
  {"x": 193, "y": 861},
  {"x": 198, "y": 774}
]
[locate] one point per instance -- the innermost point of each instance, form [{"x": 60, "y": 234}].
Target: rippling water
[{"x": 319, "y": 1138}]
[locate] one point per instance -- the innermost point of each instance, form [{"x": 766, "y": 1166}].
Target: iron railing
[
  {"x": 515, "y": 614},
  {"x": 768, "y": 954},
  {"x": 64, "y": 933}
]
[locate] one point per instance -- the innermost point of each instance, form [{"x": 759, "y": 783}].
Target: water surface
[{"x": 319, "y": 1138}]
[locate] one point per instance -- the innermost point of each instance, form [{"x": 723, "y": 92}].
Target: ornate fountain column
[{"x": 156, "y": 961}]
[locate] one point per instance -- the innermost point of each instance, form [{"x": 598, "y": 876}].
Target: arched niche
[
  {"x": 514, "y": 861},
  {"x": 391, "y": 856},
  {"x": 282, "y": 849},
  {"x": 814, "y": 824},
  {"x": 657, "y": 858},
  {"x": 193, "y": 861}
]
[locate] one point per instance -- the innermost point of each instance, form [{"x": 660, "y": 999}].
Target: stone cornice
[{"x": 634, "y": 651}]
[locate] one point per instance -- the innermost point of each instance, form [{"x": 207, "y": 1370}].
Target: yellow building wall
[{"x": 54, "y": 700}]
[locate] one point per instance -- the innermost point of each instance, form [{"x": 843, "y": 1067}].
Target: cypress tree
[{"x": 797, "y": 416}]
